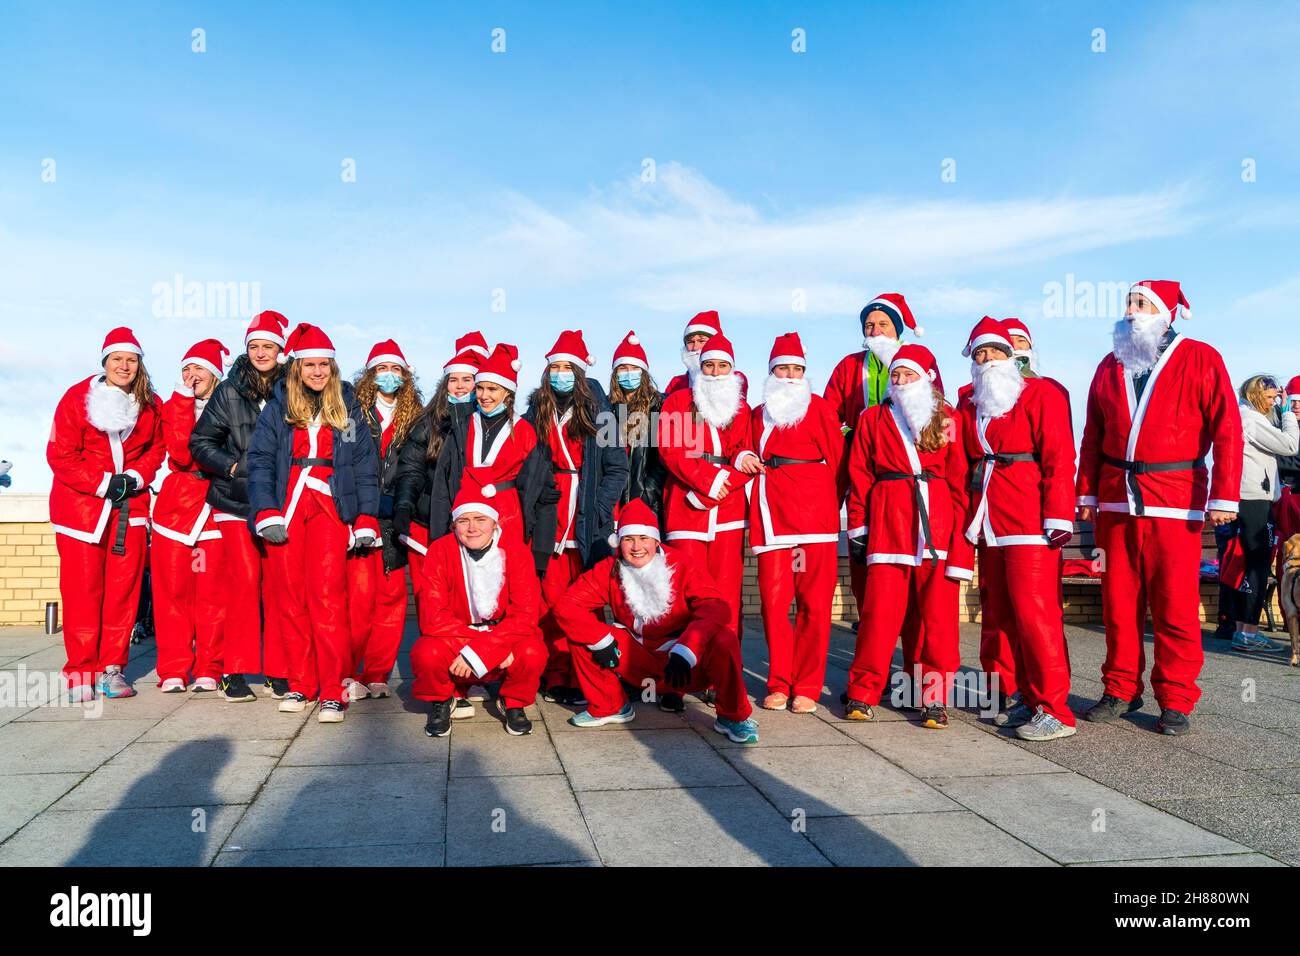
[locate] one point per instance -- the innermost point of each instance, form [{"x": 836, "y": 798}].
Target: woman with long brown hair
[
  {"x": 634, "y": 401},
  {"x": 566, "y": 411},
  {"x": 106, "y": 445},
  {"x": 390, "y": 401},
  {"x": 313, "y": 491}
]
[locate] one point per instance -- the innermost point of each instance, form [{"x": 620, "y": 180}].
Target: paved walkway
[{"x": 192, "y": 780}]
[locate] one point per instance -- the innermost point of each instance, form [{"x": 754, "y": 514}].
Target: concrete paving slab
[
  {"x": 148, "y": 704},
  {"x": 648, "y": 717},
  {"x": 22, "y": 796},
  {"x": 162, "y": 836},
  {"x": 64, "y": 746},
  {"x": 1269, "y": 824},
  {"x": 1237, "y": 859},
  {"x": 251, "y": 720},
  {"x": 395, "y": 739},
  {"x": 957, "y": 838},
  {"x": 959, "y": 751},
  {"x": 484, "y": 749},
  {"x": 775, "y": 728},
  {"x": 500, "y": 821},
  {"x": 1240, "y": 745},
  {"x": 420, "y": 854},
  {"x": 650, "y": 759}
]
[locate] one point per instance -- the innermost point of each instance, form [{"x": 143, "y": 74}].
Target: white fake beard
[
  {"x": 917, "y": 403},
  {"x": 717, "y": 397},
  {"x": 109, "y": 408},
  {"x": 648, "y": 590},
  {"x": 882, "y": 347},
  {"x": 785, "y": 400},
  {"x": 486, "y": 576},
  {"x": 997, "y": 387},
  {"x": 1137, "y": 342},
  {"x": 692, "y": 362}
]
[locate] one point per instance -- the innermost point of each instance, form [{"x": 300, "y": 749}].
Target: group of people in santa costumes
[{"x": 295, "y": 501}]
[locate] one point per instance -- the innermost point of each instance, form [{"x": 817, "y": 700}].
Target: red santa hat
[
  {"x": 718, "y": 347},
  {"x": 472, "y": 500},
  {"x": 501, "y": 367},
  {"x": 787, "y": 350},
  {"x": 1293, "y": 387},
  {"x": 569, "y": 347},
  {"x": 630, "y": 352},
  {"x": 387, "y": 351},
  {"x": 467, "y": 360},
  {"x": 268, "y": 326},
  {"x": 472, "y": 342},
  {"x": 706, "y": 322},
  {"x": 988, "y": 331},
  {"x": 1166, "y": 295},
  {"x": 636, "y": 517},
  {"x": 209, "y": 354},
  {"x": 120, "y": 339},
  {"x": 895, "y": 306},
  {"x": 306, "y": 341},
  {"x": 1016, "y": 326},
  {"x": 919, "y": 359}
]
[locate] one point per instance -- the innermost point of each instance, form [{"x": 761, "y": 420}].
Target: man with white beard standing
[
  {"x": 1157, "y": 405},
  {"x": 1021, "y": 447},
  {"x": 670, "y": 625},
  {"x": 794, "y": 523}
]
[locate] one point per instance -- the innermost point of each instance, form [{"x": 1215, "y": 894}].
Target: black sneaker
[
  {"x": 331, "y": 712},
  {"x": 1111, "y": 708},
  {"x": 672, "y": 703},
  {"x": 517, "y": 722},
  {"x": 552, "y": 694},
  {"x": 1174, "y": 723},
  {"x": 709, "y": 698},
  {"x": 572, "y": 696},
  {"x": 235, "y": 688},
  {"x": 935, "y": 717},
  {"x": 276, "y": 688},
  {"x": 439, "y": 722},
  {"x": 857, "y": 710}
]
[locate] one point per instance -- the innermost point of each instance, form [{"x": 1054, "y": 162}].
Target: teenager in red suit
[
  {"x": 1017, "y": 432},
  {"x": 106, "y": 445},
  {"x": 484, "y": 602},
  {"x": 188, "y": 581},
  {"x": 704, "y": 441},
  {"x": 907, "y": 504},
  {"x": 702, "y": 327},
  {"x": 1159, "y": 403},
  {"x": 670, "y": 625},
  {"x": 794, "y": 525}
]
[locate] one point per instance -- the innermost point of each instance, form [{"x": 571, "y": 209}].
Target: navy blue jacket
[{"x": 354, "y": 482}]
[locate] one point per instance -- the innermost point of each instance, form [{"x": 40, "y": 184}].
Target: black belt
[
  {"x": 714, "y": 459},
  {"x": 490, "y": 622},
  {"x": 922, "y": 512},
  {"x": 779, "y": 461},
  {"x": 504, "y": 485},
  {"x": 123, "y": 509},
  {"x": 308, "y": 462},
  {"x": 568, "y": 471},
  {"x": 998, "y": 458},
  {"x": 1135, "y": 468}
]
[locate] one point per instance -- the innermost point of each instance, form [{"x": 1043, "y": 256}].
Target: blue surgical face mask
[
  {"x": 562, "y": 381},
  {"x": 629, "y": 381},
  {"x": 388, "y": 382},
  {"x": 460, "y": 399},
  {"x": 493, "y": 412}
]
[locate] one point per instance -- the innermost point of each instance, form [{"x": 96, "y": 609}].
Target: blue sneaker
[
  {"x": 112, "y": 683},
  {"x": 737, "y": 731},
  {"x": 1241, "y": 641},
  {"x": 623, "y": 716}
]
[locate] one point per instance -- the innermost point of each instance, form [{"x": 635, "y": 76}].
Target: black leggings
[{"x": 1256, "y": 536}]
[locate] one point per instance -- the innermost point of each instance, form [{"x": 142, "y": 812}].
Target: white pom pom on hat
[
  {"x": 612, "y": 540},
  {"x": 489, "y": 491},
  {"x": 633, "y": 340},
  {"x": 516, "y": 365},
  {"x": 919, "y": 330}
]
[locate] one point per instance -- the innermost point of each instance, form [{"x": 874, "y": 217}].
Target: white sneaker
[
  {"x": 1043, "y": 726},
  {"x": 203, "y": 685},
  {"x": 331, "y": 712},
  {"x": 462, "y": 709},
  {"x": 294, "y": 703},
  {"x": 477, "y": 692},
  {"x": 172, "y": 685},
  {"x": 378, "y": 689},
  {"x": 354, "y": 689},
  {"x": 81, "y": 694}
]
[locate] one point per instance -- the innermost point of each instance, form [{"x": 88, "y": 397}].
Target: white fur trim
[
  {"x": 267, "y": 522},
  {"x": 474, "y": 661},
  {"x": 204, "y": 364},
  {"x": 569, "y": 357},
  {"x": 478, "y": 507},
  {"x": 914, "y": 366},
  {"x": 120, "y": 347},
  {"x": 648, "y": 530},
  {"x": 776, "y": 360},
  {"x": 388, "y": 357},
  {"x": 988, "y": 338},
  {"x": 313, "y": 353},
  {"x": 633, "y": 340},
  {"x": 686, "y": 653},
  {"x": 496, "y": 379},
  {"x": 718, "y": 354}
]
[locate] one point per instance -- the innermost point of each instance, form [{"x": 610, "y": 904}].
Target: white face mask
[
  {"x": 997, "y": 387},
  {"x": 1137, "y": 340}
]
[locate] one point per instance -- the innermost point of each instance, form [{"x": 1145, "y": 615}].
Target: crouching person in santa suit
[
  {"x": 1017, "y": 433},
  {"x": 1157, "y": 405},
  {"x": 483, "y": 601},
  {"x": 313, "y": 491},
  {"x": 106, "y": 445},
  {"x": 670, "y": 625},
  {"x": 188, "y": 581},
  {"x": 907, "y": 502},
  {"x": 794, "y": 525}
]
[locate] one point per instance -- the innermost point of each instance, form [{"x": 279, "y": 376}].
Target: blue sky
[{"x": 776, "y": 172}]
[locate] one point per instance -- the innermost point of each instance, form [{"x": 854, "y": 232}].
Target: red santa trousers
[
  {"x": 911, "y": 625},
  {"x": 101, "y": 593},
  {"x": 996, "y": 655},
  {"x": 561, "y": 572},
  {"x": 432, "y": 657},
  {"x": 796, "y": 653},
  {"x": 313, "y": 596},
  {"x": 1020, "y": 589},
  {"x": 726, "y": 563},
  {"x": 718, "y": 668},
  {"x": 189, "y": 591},
  {"x": 252, "y": 642},
  {"x": 377, "y": 615},
  {"x": 1155, "y": 563},
  {"x": 893, "y": 590}
]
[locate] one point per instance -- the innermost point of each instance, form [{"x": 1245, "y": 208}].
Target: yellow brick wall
[{"x": 29, "y": 572}]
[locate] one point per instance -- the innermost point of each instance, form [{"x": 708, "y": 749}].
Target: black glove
[
  {"x": 550, "y": 496},
  {"x": 120, "y": 487},
  {"x": 677, "y": 672},
  {"x": 858, "y": 550},
  {"x": 275, "y": 534},
  {"x": 402, "y": 520},
  {"x": 607, "y": 656}
]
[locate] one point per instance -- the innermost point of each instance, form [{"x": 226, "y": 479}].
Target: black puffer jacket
[
  {"x": 646, "y": 471},
  {"x": 223, "y": 433}
]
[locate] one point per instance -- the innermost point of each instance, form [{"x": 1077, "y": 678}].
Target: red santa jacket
[
  {"x": 884, "y": 509},
  {"x": 1187, "y": 407},
  {"x": 453, "y": 614},
  {"x": 1017, "y": 502},
  {"x": 794, "y": 504},
  {"x": 180, "y": 511},
  {"x": 697, "y": 612},
  {"x": 314, "y": 442},
  {"x": 84, "y": 457},
  {"x": 694, "y": 452},
  {"x": 497, "y": 464}
]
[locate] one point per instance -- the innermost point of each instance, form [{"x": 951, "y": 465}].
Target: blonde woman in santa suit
[
  {"x": 185, "y": 561},
  {"x": 106, "y": 445}
]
